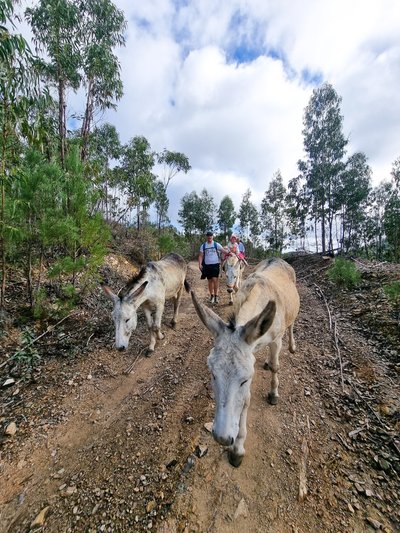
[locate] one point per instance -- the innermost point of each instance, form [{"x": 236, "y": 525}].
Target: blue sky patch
[
  {"x": 246, "y": 41},
  {"x": 142, "y": 23},
  {"x": 311, "y": 78},
  {"x": 244, "y": 54}
]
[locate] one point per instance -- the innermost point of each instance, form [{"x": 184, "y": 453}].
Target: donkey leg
[
  {"x": 157, "y": 321},
  {"x": 292, "y": 342},
  {"x": 275, "y": 348},
  {"x": 231, "y": 298},
  {"x": 149, "y": 320},
  {"x": 237, "y": 451},
  {"x": 177, "y": 303}
]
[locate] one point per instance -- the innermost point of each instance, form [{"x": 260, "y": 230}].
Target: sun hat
[{"x": 233, "y": 236}]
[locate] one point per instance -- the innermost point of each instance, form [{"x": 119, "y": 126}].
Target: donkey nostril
[
  {"x": 232, "y": 441},
  {"x": 121, "y": 348}
]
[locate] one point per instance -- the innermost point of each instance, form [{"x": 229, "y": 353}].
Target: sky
[{"x": 227, "y": 83}]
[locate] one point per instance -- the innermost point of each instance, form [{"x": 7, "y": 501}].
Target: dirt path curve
[{"x": 111, "y": 451}]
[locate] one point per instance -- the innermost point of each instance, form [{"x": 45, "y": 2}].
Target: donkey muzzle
[{"x": 224, "y": 441}]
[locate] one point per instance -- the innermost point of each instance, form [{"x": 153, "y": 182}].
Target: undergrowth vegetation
[{"x": 344, "y": 273}]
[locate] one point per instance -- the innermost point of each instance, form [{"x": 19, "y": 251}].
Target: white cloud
[{"x": 241, "y": 121}]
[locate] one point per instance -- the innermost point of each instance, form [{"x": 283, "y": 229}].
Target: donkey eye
[{"x": 243, "y": 382}]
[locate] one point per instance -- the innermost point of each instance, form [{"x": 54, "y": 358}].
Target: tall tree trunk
[
  {"x": 330, "y": 226},
  {"x": 2, "y": 208},
  {"x": 323, "y": 235},
  {"x": 316, "y": 235},
  {"x": 29, "y": 277},
  {"x": 87, "y": 120},
  {"x": 61, "y": 120}
]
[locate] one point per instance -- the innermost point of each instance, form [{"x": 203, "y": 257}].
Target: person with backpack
[{"x": 209, "y": 264}]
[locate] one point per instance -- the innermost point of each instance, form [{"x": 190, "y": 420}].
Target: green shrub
[
  {"x": 27, "y": 355},
  {"x": 40, "y": 304},
  {"x": 344, "y": 273},
  {"x": 392, "y": 291}
]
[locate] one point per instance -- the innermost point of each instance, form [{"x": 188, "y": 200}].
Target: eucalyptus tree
[
  {"x": 161, "y": 203},
  {"x": 55, "y": 25},
  {"x": 136, "y": 175},
  {"x": 189, "y": 213},
  {"x": 101, "y": 28},
  {"x": 353, "y": 191},
  {"x": 298, "y": 205},
  {"x": 105, "y": 146},
  {"x": 226, "y": 214},
  {"x": 374, "y": 225},
  {"x": 324, "y": 144},
  {"x": 248, "y": 218},
  {"x": 197, "y": 213},
  {"x": 172, "y": 163},
  {"x": 273, "y": 212},
  {"x": 392, "y": 213},
  {"x": 207, "y": 211}
]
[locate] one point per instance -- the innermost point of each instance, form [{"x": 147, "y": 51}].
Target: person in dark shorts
[{"x": 209, "y": 265}]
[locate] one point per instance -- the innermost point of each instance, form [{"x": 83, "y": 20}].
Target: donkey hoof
[
  {"x": 273, "y": 398},
  {"x": 173, "y": 324},
  {"x": 149, "y": 352},
  {"x": 230, "y": 303},
  {"x": 235, "y": 459}
]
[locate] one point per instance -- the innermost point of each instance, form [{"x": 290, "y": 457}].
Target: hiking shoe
[
  {"x": 211, "y": 300},
  {"x": 216, "y": 299}
]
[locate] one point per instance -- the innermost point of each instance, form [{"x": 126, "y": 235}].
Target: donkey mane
[
  {"x": 132, "y": 282},
  {"x": 268, "y": 262}
]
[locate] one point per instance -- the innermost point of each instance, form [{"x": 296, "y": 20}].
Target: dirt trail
[{"x": 103, "y": 450}]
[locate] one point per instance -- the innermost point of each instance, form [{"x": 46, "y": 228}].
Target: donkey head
[
  {"x": 232, "y": 268},
  {"x": 125, "y": 313},
  {"x": 231, "y": 363}
]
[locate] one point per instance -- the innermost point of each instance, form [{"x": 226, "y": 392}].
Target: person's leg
[
  {"x": 216, "y": 288},
  {"x": 211, "y": 288}
]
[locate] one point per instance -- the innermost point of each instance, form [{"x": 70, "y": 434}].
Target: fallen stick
[
  {"x": 326, "y": 304},
  {"x": 303, "y": 471},
  {"x": 130, "y": 367}
]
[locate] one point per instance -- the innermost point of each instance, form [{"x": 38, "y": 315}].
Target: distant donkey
[
  {"x": 233, "y": 267},
  {"x": 265, "y": 306},
  {"x": 156, "y": 282}
]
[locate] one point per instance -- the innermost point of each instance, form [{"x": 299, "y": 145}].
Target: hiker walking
[{"x": 209, "y": 265}]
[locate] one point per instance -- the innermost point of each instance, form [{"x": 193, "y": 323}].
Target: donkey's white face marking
[
  {"x": 232, "y": 370},
  {"x": 232, "y": 268},
  {"x": 125, "y": 320}
]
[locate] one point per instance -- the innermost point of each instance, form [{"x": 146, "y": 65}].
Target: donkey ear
[
  {"x": 260, "y": 324},
  {"x": 134, "y": 294},
  {"x": 109, "y": 293},
  {"x": 210, "y": 319}
]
